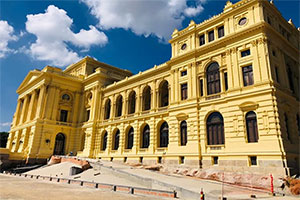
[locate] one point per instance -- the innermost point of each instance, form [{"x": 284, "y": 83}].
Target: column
[
  {"x": 55, "y": 104},
  {"x": 138, "y": 100},
  {"x": 172, "y": 83},
  {"x": 190, "y": 93},
  {"x": 235, "y": 69},
  {"x": 176, "y": 86},
  {"x": 94, "y": 103},
  {"x": 154, "y": 103},
  {"x": 75, "y": 108},
  {"x": 222, "y": 81},
  {"x": 229, "y": 70},
  {"x": 17, "y": 113},
  {"x": 49, "y": 101},
  {"x": 40, "y": 104},
  {"x": 256, "y": 64},
  {"x": 24, "y": 109},
  {"x": 195, "y": 84},
  {"x": 30, "y": 109},
  {"x": 124, "y": 102}
]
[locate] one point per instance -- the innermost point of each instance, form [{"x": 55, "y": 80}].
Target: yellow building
[{"x": 228, "y": 98}]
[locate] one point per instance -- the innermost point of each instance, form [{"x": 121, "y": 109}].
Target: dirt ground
[{"x": 19, "y": 188}]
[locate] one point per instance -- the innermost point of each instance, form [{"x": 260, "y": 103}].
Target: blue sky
[{"x": 130, "y": 34}]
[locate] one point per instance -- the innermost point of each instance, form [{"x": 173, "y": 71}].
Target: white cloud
[
  {"x": 191, "y": 12},
  {"x": 143, "y": 17},
  {"x": 6, "y": 35},
  {"x": 5, "y": 124},
  {"x": 53, "y": 33}
]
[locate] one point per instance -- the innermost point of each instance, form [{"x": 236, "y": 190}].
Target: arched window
[
  {"x": 164, "y": 94},
  {"x": 119, "y": 103},
  {"x": 129, "y": 141},
  {"x": 107, "y": 109},
  {"x": 164, "y": 135},
  {"x": 213, "y": 78},
  {"x": 104, "y": 141},
  {"x": 59, "y": 148},
  {"x": 251, "y": 125},
  {"x": 131, "y": 102},
  {"x": 146, "y": 137},
  {"x": 147, "y": 98},
  {"x": 215, "y": 129},
  {"x": 116, "y": 140},
  {"x": 183, "y": 133},
  {"x": 66, "y": 97}
]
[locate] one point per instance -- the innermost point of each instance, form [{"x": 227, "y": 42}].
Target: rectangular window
[
  {"x": 183, "y": 73},
  {"x": 211, "y": 36},
  {"x": 245, "y": 53},
  {"x": 201, "y": 87},
  {"x": 216, "y": 160},
  {"x": 269, "y": 20},
  {"x": 248, "y": 75},
  {"x": 202, "y": 40},
  {"x": 159, "y": 160},
  {"x": 184, "y": 91},
  {"x": 181, "y": 160},
  {"x": 276, "y": 74},
  {"x": 253, "y": 160},
  {"x": 221, "y": 31},
  {"x": 226, "y": 80},
  {"x": 63, "y": 115},
  {"x": 87, "y": 115}
]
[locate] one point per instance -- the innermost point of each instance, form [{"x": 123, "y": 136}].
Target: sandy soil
[{"x": 19, "y": 188}]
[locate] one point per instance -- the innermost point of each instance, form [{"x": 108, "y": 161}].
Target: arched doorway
[{"x": 59, "y": 148}]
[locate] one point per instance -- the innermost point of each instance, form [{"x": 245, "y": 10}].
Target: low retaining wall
[{"x": 117, "y": 188}]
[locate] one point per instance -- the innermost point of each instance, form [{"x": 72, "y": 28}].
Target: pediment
[
  {"x": 182, "y": 116},
  {"x": 31, "y": 76},
  {"x": 248, "y": 106}
]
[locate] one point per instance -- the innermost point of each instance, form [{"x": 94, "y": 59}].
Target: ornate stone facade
[{"x": 228, "y": 98}]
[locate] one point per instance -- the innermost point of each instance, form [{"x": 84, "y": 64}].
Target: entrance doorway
[{"x": 59, "y": 148}]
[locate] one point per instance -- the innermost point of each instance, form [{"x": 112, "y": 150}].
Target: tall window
[
  {"x": 119, "y": 103},
  {"x": 248, "y": 75},
  {"x": 298, "y": 124},
  {"x": 87, "y": 117},
  {"x": 184, "y": 91},
  {"x": 104, "y": 141},
  {"x": 130, "y": 135},
  {"x": 202, "y": 40},
  {"x": 164, "y": 93},
  {"x": 131, "y": 102},
  {"x": 201, "y": 87},
  {"x": 63, "y": 115},
  {"x": 146, "y": 137},
  {"x": 183, "y": 133},
  {"x": 147, "y": 98},
  {"x": 276, "y": 74},
  {"x": 107, "y": 109},
  {"x": 213, "y": 78},
  {"x": 116, "y": 140},
  {"x": 286, "y": 120},
  {"x": 215, "y": 129},
  {"x": 226, "y": 80},
  {"x": 221, "y": 31},
  {"x": 211, "y": 36},
  {"x": 251, "y": 125},
  {"x": 164, "y": 135},
  {"x": 290, "y": 77}
]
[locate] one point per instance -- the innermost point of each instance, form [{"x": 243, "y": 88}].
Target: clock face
[
  {"x": 183, "y": 47},
  {"x": 242, "y": 21}
]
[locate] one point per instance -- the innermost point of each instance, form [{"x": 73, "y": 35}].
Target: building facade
[{"x": 227, "y": 98}]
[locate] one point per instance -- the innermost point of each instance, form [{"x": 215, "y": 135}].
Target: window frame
[{"x": 248, "y": 78}]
